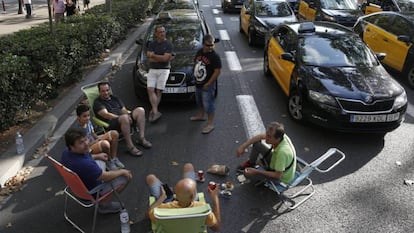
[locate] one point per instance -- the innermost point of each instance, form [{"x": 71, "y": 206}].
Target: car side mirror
[
  {"x": 404, "y": 38},
  {"x": 288, "y": 57},
  {"x": 312, "y": 4},
  {"x": 140, "y": 41},
  {"x": 216, "y": 40},
  {"x": 381, "y": 56},
  {"x": 247, "y": 12}
]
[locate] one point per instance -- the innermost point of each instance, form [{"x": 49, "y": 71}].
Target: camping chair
[
  {"x": 78, "y": 192},
  {"x": 301, "y": 175},
  {"x": 91, "y": 92},
  {"x": 179, "y": 220}
]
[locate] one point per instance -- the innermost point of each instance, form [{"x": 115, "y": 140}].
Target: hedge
[{"x": 35, "y": 64}]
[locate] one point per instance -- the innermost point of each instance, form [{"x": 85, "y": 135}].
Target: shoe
[
  {"x": 111, "y": 208},
  {"x": 118, "y": 163},
  {"x": 135, "y": 151},
  {"x": 144, "y": 142},
  {"x": 196, "y": 118},
  {"x": 207, "y": 129},
  {"x": 244, "y": 165},
  {"x": 111, "y": 165},
  {"x": 155, "y": 117}
]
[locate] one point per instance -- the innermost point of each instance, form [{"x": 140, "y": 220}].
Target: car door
[
  {"x": 372, "y": 6},
  {"x": 303, "y": 9},
  {"x": 397, "y": 50},
  {"x": 312, "y": 9},
  {"x": 282, "y": 41},
  {"x": 374, "y": 33},
  {"x": 245, "y": 18}
]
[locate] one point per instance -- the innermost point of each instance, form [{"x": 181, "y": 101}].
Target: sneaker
[
  {"x": 111, "y": 165},
  {"x": 118, "y": 163},
  {"x": 144, "y": 142},
  {"x": 111, "y": 208},
  {"x": 244, "y": 165}
]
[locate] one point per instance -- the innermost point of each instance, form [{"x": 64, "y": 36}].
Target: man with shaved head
[{"x": 185, "y": 196}]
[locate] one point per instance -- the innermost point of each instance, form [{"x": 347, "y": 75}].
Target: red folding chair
[{"x": 78, "y": 192}]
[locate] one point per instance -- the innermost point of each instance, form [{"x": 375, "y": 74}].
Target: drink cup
[
  {"x": 212, "y": 185},
  {"x": 200, "y": 175}
]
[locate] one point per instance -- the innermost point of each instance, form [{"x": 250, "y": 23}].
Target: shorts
[
  {"x": 116, "y": 184},
  {"x": 96, "y": 145},
  {"x": 155, "y": 189},
  {"x": 205, "y": 98},
  {"x": 114, "y": 123},
  {"x": 157, "y": 78}
]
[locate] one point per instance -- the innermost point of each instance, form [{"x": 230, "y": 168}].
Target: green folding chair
[
  {"x": 91, "y": 92},
  {"x": 179, "y": 220}
]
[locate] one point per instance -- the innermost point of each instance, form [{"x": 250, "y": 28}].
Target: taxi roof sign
[{"x": 306, "y": 27}]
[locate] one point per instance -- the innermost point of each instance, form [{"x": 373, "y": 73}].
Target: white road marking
[
  {"x": 215, "y": 11},
  {"x": 219, "y": 20},
  {"x": 224, "y": 35},
  {"x": 252, "y": 121},
  {"x": 233, "y": 61},
  {"x": 235, "y": 19},
  {"x": 410, "y": 110}
]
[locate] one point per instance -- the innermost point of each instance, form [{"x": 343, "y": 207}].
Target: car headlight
[
  {"x": 261, "y": 29},
  {"x": 400, "y": 101},
  {"x": 143, "y": 71},
  {"x": 322, "y": 98}
]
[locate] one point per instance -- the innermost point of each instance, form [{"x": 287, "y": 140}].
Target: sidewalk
[
  {"x": 11, "y": 22},
  {"x": 49, "y": 130}
]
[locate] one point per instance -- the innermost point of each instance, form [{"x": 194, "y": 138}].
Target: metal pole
[{"x": 4, "y": 6}]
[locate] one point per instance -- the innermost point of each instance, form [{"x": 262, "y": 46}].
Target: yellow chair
[
  {"x": 91, "y": 92},
  {"x": 179, "y": 220}
]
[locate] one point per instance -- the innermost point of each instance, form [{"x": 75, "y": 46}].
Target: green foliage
[{"x": 35, "y": 63}]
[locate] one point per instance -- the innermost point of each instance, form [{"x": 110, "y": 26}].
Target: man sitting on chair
[
  {"x": 77, "y": 157},
  {"x": 112, "y": 110},
  {"x": 185, "y": 196},
  {"x": 279, "y": 163}
]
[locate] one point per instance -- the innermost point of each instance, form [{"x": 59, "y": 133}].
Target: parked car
[
  {"x": 332, "y": 78},
  {"x": 258, "y": 16},
  {"x": 185, "y": 29},
  {"x": 231, "y": 5},
  {"x": 344, "y": 12},
  {"x": 391, "y": 33},
  {"x": 179, "y": 4},
  {"x": 371, "y": 6}
]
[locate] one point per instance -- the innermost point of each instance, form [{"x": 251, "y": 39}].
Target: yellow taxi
[
  {"x": 258, "y": 16},
  {"x": 372, "y": 6},
  {"x": 391, "y": 33},
  {"x": 332, "y": 78},
  {"x": 344, "y": 12}
]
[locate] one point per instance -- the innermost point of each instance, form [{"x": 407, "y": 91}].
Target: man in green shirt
[{"x": 279, "y": 161}]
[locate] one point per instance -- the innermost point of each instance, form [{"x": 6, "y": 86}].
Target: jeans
[{"x": 205, "y": 98}]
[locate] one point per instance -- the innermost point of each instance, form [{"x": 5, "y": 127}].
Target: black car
[
  {"x": 185, "y": 29},
  {"x": 231, "y": 5},
  {"x": 333, "y": 79},
  {"x": 371, "y": 6},
  {"x": 257, "y": 17}
]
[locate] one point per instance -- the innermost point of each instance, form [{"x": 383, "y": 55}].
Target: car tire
[
  {"x": 409, "y": 73},
  {"x": 295, "y": 106},
  {"x": 266, "y": 69},
  {"x": 251, "y": 38}
]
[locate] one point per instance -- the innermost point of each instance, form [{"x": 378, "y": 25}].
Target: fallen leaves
[
  {"x": 174, "y": 163},
  {"x": 15, "y": 183}
]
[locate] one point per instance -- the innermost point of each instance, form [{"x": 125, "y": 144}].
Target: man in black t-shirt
[
  {"x": 113, "y": 111},
  {"x": 207, "y": 68}
]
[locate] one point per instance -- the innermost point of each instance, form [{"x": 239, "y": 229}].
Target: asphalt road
[{"x": 365, "y": 193}]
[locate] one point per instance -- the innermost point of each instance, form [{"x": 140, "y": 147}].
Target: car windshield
[
  {"x": 335, "y": 51},
  {"x": 406, "y": 5},
  {"x": 272, "y": 9},
  {"x": 184, "y": 35},
  {"x": 339, "y": 4}
]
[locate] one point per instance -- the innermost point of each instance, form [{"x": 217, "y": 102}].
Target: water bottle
[
  {"x": 123, "y": 216},
  {"x": 19, "y": 143}
]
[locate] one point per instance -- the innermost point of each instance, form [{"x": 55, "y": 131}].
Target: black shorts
[{"x": 114, "y": 123}]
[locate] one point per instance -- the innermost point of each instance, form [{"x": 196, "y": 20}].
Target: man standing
[
  {"x": 112, "y": 110},
  {"x": 92, "y": 172},
  {"x": 59, "y": 8},
  {"x": 159, "y": 54},
  {"x": 185, "y": 196},
  {"x": 206, "y": 71},
  {"x": 279, "y": 163},
  {"x": 28, "y": 5}
]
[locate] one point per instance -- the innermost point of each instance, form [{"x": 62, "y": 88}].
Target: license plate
[
  {"x": 238, "y": 6},
  {"x": 375, "y": 118},
  {"x": 177, "y": 90}
]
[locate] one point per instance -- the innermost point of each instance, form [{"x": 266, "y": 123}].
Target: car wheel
[
  {"x": 266, "y": 69},
  {"x": 295, "y": 106},
  {"x": 410, "y": 76},
  {"x": 251, "y": 38}
]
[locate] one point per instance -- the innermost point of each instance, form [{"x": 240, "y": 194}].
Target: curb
[{"x": 55, "y": 120}]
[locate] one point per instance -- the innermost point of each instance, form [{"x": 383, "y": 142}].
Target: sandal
[
  {"x": 196, "y": 118},
  {"x": 144, "y": 142},
  {"x": 135, "y": 151},
  {"x": 207, "y": 129}
]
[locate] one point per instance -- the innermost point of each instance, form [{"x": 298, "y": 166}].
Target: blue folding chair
[{"x": 302, "y": 173}]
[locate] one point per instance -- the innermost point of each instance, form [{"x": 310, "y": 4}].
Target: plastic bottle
[
  {"x": 19, "y": 143},
  {"x": 124, "y": 217}
]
